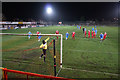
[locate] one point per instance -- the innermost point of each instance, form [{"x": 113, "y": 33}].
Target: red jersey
[
  {"x": 85, "y": 32},
  {"x": 57, "y": 32},
  {"x": 105, "y": 34},
  {"x": 94, "y": 34},
  {"x": 73, "y": 33},
  {"x": 88, "y": 32},
  {"x": 37, "y": 32}
]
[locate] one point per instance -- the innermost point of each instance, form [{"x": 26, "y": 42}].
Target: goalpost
[{"x": 61, "y": 44}]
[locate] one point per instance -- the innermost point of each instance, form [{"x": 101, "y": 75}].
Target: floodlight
[{"x": 49, "y": 10}]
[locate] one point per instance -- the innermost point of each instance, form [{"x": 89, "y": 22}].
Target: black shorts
[{"x": 44, "y": 51}]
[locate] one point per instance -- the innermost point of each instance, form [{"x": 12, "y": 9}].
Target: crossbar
[{"x": 30, "y": 34}]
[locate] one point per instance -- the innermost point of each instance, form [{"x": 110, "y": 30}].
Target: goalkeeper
[{"x": 44, "y": 47}]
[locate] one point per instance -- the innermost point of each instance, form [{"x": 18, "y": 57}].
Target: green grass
[{"x": 79, "y": 54}]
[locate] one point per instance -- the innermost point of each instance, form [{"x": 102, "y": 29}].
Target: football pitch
[{"x": 82, "y": 57}]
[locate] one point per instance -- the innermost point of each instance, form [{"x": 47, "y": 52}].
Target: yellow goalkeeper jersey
[{"x": 44, "y": 46}]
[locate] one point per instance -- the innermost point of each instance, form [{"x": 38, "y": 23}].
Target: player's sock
[
  {"x": 41, "y": 55},
  {"x": 44, "y": 58}
]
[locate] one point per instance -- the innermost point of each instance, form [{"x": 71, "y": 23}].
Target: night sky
[{"x": 62, "y": 11}]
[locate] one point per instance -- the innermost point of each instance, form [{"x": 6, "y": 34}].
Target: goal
[{"x": 30, "y": 54}]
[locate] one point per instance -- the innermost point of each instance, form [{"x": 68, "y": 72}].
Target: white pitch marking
[{"x": 91, "y": 71}]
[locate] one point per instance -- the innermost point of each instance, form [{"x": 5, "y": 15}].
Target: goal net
[{"x": 19, "y": 52}]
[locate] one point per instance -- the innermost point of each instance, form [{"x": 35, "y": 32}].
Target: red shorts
[{"x": 104, "y": 37}]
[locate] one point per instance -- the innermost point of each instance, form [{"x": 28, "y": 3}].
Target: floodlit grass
[{"x": 79, "y": 54}]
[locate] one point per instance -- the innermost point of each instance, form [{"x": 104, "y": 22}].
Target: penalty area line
[{"x": 90, "y": 71}]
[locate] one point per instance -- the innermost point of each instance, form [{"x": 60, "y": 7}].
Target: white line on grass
[
  {"x": 91, "y": 71},
  {"x": 93, "y": 51}
]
